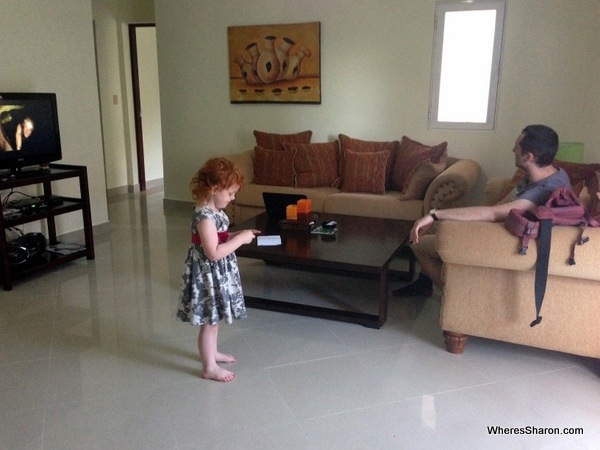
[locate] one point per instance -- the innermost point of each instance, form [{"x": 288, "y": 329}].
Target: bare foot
[
  {"x": 218, "y": 374},
  {"x": 225, "y": 358}
]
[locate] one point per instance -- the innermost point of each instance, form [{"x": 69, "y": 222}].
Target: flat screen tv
[{"x": 29, "y": 133}]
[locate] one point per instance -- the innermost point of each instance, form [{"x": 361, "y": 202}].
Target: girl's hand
[{"x": 247, "y": 236}]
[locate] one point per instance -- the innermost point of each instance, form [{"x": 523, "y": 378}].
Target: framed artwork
[{"x": 275, "y": 63}]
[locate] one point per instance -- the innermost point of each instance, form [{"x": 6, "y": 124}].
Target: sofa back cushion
[
  {"x": 316, "y": 164},
  {"x": 410, "y": 156},
  {"x": 274, "y": 167},
  {"x": 274, "y": 141},
  {"x": 358, "y": 145},
  {"x": 364, "y": 171}
]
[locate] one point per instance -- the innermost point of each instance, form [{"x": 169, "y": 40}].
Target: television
[{"x": 29, "y": 133}]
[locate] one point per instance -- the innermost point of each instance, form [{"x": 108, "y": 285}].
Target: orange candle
[
  {"x": 291, "y": 212},
  {"x": 304, "y": 206}
]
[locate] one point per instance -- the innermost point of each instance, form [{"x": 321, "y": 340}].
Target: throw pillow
[
  {"x": 579, "y": 172},
  {"x": 364, "y": 171},
  {"x": 316, "y": 164},
  {"x": 358, "y": 145},
  {"x": 410, "y": 155},
  {"x": 421, "y": 179},
  {"x": 274, "y": 167},
  {"x": 275, "y": 141},
  {"x": 594, "y": 190}
]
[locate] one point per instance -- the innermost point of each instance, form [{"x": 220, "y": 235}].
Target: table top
[{"x": 362, "y": 244}]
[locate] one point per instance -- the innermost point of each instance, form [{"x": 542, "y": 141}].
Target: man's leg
[{"x": 431, "y": 269}]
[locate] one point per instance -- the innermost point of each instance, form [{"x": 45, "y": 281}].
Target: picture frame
[{"x": 275, "y": 63}]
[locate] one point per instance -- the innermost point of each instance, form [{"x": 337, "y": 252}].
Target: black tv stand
[
  {"x": 55, "y": 172},
  {"x": 17, "y": 173}
]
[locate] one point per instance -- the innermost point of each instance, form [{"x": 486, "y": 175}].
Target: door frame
[{"x": 137, "y": 107}]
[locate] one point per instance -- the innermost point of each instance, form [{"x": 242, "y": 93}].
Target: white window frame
[{"x": 442, "y": 7}]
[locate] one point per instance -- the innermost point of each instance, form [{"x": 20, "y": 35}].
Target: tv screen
[{"x": 29, "y": 133}]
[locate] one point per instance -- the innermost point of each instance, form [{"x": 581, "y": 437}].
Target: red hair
[{"x": 218, "y": 173}]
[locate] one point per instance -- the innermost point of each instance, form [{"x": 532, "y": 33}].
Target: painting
[{"x": 275, "y": 63}]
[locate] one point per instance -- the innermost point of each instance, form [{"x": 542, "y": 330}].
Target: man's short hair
[{"x": 542, "y": 142}]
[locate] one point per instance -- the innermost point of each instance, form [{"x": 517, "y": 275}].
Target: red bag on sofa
[{"x": 562, "y": 208}]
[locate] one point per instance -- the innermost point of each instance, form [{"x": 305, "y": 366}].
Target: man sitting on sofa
[{"x": 534, "y": 151}]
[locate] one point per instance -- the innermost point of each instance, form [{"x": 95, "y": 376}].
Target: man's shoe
[{"x": 422, "y": 286}]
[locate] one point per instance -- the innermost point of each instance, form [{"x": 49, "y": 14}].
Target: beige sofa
[
  {"x": 447, "y": 190},
  {"x": 489, "y": 289}
]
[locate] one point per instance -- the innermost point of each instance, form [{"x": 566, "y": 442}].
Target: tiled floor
[{"x": 91, "y": 356}]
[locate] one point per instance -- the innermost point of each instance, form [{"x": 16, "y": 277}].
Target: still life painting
[{"x": 275, "y": 63}]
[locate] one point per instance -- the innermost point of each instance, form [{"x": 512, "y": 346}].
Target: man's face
[
  {"x": 27, "y": 128},
  {"x": 518, "y": 151}
]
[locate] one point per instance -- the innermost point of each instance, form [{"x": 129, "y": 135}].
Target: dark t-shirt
[{"x": 539, "y": 192}]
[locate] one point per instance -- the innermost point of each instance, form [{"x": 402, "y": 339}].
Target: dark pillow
[
  {"x": 358, "y": 145},
  {"x": 275, "y": 141},
  {"x": 421, "y": 179},
  {"x": 364, "y": 171},
  {"x": 579, "y": 172},
  {"x": 410, "y": 156},
  {"x": 316, "y": 164},
  {"x": 594, "y": 190},
  {"x": 274, "y": 167}
]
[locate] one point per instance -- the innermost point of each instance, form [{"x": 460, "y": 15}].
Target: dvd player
[{"x": 33, "y": 204}]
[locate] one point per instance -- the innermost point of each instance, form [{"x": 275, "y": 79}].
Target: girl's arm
[{"x": 210, "y": 240}]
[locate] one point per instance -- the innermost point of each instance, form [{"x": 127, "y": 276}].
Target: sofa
[
  {"x": 387, "y": 179},
  {"x": 489, "y": 290}
]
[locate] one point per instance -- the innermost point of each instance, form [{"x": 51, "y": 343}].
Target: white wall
[
  {"x": 111, "y": 18},
  {"x": 49, "y": 47},
  {"x": 375, "y": 69}
]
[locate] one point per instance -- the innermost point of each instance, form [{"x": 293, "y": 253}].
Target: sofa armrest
[
  {"x": 245, "y": 161},
  {"x": 452, "y": 184},
  {"x": 486, "y": 244}
]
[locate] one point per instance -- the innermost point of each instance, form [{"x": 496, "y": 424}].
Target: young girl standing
[{"x": 211, "y": 288}]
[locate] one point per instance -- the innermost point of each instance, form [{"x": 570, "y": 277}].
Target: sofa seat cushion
[
  {"x": 491, "y": 245},
  {"x": 251, "y": 194},
  {"x": 388, "y": 205}
]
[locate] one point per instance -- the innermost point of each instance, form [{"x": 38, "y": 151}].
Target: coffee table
[{"x": 361, "y": 246}]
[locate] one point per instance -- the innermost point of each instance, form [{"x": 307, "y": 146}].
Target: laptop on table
[{"x": 276, "y": 203}]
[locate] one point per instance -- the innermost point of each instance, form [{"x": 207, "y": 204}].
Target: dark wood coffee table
[{"x": 361, "y": 246}]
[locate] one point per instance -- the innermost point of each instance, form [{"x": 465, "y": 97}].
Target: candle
[
  {"x": 291, "y": 212},
  {"x": 304, "y": 205},
  {"x": 304, "y": 210}
]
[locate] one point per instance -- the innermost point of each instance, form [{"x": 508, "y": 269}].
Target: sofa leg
[{"x": 455, "y": 342}]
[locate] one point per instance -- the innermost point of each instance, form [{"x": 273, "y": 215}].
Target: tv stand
[{"x": 46, "y": 177}]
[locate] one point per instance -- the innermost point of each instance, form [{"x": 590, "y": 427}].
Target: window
[{"x": 466, "y": 64}]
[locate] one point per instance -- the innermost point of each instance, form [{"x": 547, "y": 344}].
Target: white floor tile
[{"x": 92, "y": 356}]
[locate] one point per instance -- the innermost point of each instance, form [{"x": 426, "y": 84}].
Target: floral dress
[{"x": 210, "y": 290}]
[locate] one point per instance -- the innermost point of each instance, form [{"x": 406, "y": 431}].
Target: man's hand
[{"x": 420, "y": 227}]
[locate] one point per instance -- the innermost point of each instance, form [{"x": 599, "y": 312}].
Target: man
[{"x": 534, "y": 151}]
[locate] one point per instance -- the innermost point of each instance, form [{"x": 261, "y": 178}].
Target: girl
[{"x": 211, "y": 288}]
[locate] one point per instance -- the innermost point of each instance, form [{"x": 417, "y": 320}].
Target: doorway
[{"x": 146, "y": 103}]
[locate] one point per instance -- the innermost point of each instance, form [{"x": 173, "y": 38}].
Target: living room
[{"x": 375, "y": 67}]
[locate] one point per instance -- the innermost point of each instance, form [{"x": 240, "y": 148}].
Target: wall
[
  {"x": 111, "y": 19},
  {"x": 376, "y": 63},
  {"x": 49, "y": 47}
]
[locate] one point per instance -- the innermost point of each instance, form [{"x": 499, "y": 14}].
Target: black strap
[{"x": 541, "y": 266}]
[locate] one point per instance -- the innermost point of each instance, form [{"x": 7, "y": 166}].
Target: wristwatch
[{"x": 432, "y": 214}]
